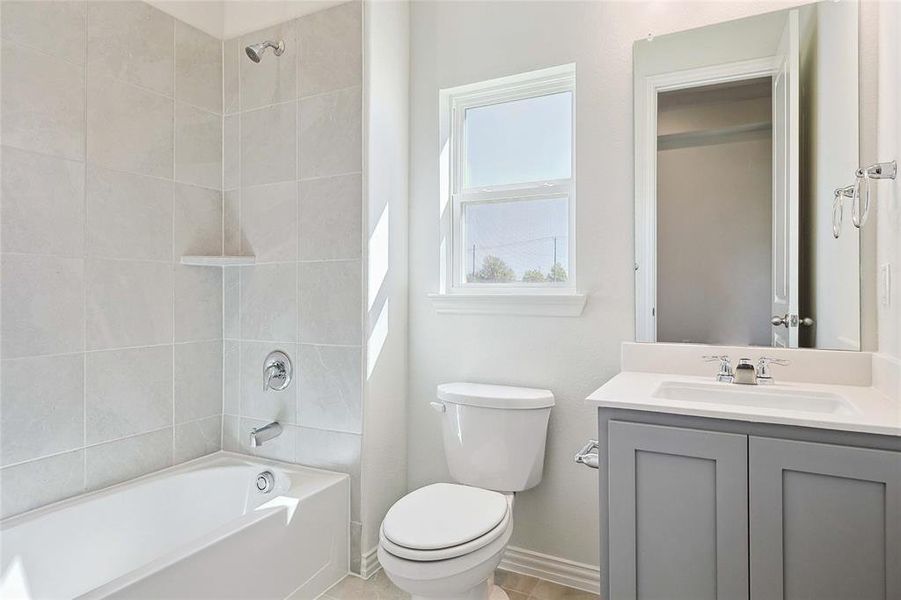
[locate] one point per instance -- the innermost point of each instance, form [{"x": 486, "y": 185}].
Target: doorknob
[
  {"x": 777, "y": 320},
  {"x": 791, "y": 321}
]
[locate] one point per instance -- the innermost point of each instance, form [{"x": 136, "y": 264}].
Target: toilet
[{"x": 444, "y": 541}]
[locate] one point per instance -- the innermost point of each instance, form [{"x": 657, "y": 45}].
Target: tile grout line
[
  {"x": 84, "y": 283},
  {"x": 172, "y": 225}
]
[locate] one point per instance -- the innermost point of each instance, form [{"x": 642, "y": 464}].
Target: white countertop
[{"x": 873, "y": 411}]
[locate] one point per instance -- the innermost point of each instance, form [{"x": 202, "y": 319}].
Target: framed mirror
[{"x": 743, "y": 130}]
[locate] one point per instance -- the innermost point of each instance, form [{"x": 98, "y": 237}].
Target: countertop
[{"x": 873, "y": 411}]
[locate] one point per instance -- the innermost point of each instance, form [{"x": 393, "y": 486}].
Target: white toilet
[{"x": 444, "y": 541}]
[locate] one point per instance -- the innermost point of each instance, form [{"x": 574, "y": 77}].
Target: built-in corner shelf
[{"x": 218, "y": 261}]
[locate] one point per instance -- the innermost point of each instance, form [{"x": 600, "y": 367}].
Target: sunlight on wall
[
  {"x": 377, "y": 302},
  {"x": 14, "y": 583}
]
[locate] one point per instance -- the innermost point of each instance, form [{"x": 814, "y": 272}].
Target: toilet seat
[{"x": 443, "y": 521}]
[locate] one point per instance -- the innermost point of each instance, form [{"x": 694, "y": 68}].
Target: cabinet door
[
  {"x": 678, "y": 513},
  {"x": 825, "y": 521}
]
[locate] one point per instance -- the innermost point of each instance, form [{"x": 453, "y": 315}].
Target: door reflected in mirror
[{"x": 743, "y": 130}]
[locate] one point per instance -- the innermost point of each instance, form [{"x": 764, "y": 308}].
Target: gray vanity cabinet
[
  {"x": 678, "y": 513},
  {"x": 699, "y": 508},
  {"x": 825, "y": 521}
]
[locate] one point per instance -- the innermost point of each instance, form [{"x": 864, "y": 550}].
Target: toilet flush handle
[{"x": 439, "y": 406}]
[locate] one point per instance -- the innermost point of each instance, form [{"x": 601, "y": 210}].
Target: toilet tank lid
[{"x": 495, "y": 396}]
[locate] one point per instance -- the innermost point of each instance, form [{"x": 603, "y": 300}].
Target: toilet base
[{"x": 483, "y": 591}]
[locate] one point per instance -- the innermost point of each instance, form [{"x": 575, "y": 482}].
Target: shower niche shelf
[{"x": 218, "y": 261}]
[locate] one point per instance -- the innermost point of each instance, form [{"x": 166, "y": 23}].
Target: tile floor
[{"x": 518, "y": 587}]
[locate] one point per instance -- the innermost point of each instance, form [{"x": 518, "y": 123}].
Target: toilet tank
[{"x": 494, "y": 435}]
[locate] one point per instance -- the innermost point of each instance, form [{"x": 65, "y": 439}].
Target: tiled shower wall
[
  {"x": 293, "y": 198},
  {"x": 111, "y": 170}
]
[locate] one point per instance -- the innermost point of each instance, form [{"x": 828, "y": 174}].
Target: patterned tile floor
[{"x": 518, "y": 587}]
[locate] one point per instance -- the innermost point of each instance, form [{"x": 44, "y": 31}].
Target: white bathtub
[{"x": 198, "y": 530}]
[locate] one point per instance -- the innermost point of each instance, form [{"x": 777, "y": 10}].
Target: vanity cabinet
[
  {"x": 678, "y": 512},
  {"x": 825, "y": 520},
  {"x": 702, "y": 508}
]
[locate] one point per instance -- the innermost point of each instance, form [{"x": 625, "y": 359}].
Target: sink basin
[{"x": 755, "y": 397}]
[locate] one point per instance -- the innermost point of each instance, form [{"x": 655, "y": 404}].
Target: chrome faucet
[
  {"x": 745, "y": 373},
  {"x": 725, "y": 374},
  {"x": 261, "y": 435},
  {"x": 763, "y": 368}
]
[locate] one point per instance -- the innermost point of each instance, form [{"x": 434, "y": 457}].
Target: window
[{"x": 510, "y": 198}]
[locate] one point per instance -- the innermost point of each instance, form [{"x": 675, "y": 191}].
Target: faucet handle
[
  {"x": 725, "y": 374},
  {"x": 763, "y": 368}
]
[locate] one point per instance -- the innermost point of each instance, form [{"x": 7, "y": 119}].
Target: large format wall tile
[
  {"x": 128, "y": 216},
  {"x": 42, "y": 403},
  {"x": 127, "y": 392},
  {"x": 33, "y": 23},
  {"x": 231, "y": 224},
  {"x": 198, "y": 68},
  {"x": 268, "y": 145},
  {"x": 197, "y": 438},
  {"x": 330, "y": 217},
  {"x": 269, "y": 302},
  {"x": 129, "y": 129},
  {"x": 42, "y": 305},
  {"x": 43, "y": 103},
  {"x": 330, "y": 134},
  {"x": 198, "y": 146},
  {"x": 231, "y": 152},
  {"x": 114, "y": 462},
  {"x": 198, "y": 304},
  {"x": 269, "y": 405},
  {"x": 132, "y": 41},
  {"x": 332, "y": 450},
  {"x": 36, "y": 483},
  {"x": 330, "y": 301},
  {"x": 128, "y": 304},
  {"x": 329, "y": 393},
  {"x": 269, "y": 221},
  {"x": 198, "y": 220},
  {"x": 198, "y": 380},
  {"x": 231, "y": 303},
  {"x": 232, "y": 53},
  {"x": 330, "y": 55},
  {"x": 231, "y": 379},
  {"x": 42, "y": 204},
  {"x": 271, "y": 80}
]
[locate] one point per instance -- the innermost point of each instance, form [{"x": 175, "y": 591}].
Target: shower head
[{"x": 255, "y": 51}]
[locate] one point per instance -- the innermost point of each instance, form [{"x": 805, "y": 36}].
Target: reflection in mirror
[{"x": 743, "y": 130}]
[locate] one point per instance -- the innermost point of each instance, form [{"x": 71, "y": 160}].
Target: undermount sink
[{"x": 755, "y": 396}]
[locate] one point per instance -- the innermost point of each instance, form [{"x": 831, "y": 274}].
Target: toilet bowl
[{"x": 443, "y": 541}]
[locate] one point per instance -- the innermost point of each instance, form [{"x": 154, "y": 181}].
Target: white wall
[
  {"x": 455, "y": 43},
  {"x": 889, "y": 198},
  {"x": 387, "y": 60}
]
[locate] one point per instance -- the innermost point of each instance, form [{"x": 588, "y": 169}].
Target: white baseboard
[
  {"x": 526, "y": 562},
  {"x": 551, "y": 568},
  {"x": 369, "y": 565}
]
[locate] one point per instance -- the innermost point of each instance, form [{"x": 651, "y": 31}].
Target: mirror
[{"x": 743, "y": 130}]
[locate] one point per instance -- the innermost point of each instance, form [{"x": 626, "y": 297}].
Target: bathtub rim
[{"x": 189, "y": 465}]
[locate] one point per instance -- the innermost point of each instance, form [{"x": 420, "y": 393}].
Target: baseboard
[
  {"x": 369, "y": 565},
  {"x": 557, "y": 570}
]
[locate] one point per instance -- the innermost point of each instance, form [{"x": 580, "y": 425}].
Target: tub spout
[{"x": 261, "y": 435}]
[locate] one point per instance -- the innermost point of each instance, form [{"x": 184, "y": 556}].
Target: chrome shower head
[{"x": 255, "y": 51}]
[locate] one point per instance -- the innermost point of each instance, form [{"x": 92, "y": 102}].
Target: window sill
[{"x": 534, "y": 305}]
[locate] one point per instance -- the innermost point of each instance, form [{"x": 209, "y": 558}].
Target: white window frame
[{"x": 562, "y": 296}]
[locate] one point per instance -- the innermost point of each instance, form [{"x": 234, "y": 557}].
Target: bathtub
[{"x": 197, "y": 530}]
